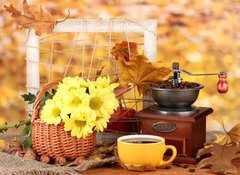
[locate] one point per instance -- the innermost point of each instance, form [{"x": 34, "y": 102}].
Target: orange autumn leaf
[
  {"x": 29, "y": 18},
  {"x": 120, "y": 50},
  {"x": 140, "y": 72}
]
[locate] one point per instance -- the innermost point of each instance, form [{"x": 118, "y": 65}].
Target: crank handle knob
[{"x": 222, "y": 85}]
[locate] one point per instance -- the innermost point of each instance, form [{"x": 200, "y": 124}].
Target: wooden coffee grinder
[{"x": 175, "y": 118}]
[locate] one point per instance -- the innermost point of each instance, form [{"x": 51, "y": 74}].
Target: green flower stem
[{"x": 4, "y": 128}]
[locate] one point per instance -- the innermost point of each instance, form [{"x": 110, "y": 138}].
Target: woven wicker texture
[{"x": 52, "y": 140}]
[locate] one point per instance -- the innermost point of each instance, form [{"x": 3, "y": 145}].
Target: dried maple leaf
[
  {"x": 38, "y": 20},
  {"x": 137, "y": 167},
  {"x": 120, "y": 90},
  {"x": 121, "y": 50},
  {"x": 88, "y": 164},
  {"x": 142, "y": 73},
  {"x": 232, "y": 136},
  {"x": 99, "y": 72},
  {"x": 221, "y": 157}
]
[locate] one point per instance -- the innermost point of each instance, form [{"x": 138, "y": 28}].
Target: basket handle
[{"x": 43, "y": 90}]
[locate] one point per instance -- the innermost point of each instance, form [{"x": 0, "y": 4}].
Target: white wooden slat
[
  {"x": 117, "y": 25},
  {"x": 150, "y": 41},
  {"x": 32, "y": 55}
]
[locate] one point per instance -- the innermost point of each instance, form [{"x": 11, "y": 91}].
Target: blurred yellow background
[{"x": 203, "y": 35}]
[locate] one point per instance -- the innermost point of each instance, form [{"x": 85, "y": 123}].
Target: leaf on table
[
  {"x": 88, "y": 164},
  {"x": 218, "y": 137},
  {"x": 221, "y": 157},
  {"x": 232, "y": 136},
  {"x": 137, "y": 167},
  {"x": 105, "y": 149},
  {"x": 227, "y": 137},
  {"x": 140, "y": 72},
  {"x": 29, "y": 18},
  {"x": 121, "y": 50}
]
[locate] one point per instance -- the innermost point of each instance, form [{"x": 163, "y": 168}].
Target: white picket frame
[{"x": 146, "y": 26}]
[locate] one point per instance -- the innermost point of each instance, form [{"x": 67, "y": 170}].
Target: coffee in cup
[{"x": 144, "y": 149}]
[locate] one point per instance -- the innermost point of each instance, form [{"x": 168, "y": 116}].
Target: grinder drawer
[{"x": 179, "y": 143}]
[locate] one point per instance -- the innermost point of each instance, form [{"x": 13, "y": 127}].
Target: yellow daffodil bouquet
[{"x": 84, "y": 106}]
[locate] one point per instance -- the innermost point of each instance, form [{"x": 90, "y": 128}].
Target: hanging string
[
  {"x": 72, "y": 53},
  {"x": 51, "y": 58},
  {"x": 110, "y": 57},
  {"x": 83, "y": 49},
  {"x": 60, "y": 68},
  {"x": 126, "y": 34},
  {"x": 98, "y": 62},
  {"x": 28, "y": 34},
  {"x": 129, "y": 53},
  {"x": 95, "y": 42}
]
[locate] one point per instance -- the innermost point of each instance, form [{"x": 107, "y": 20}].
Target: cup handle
[{"x": 174, "y": 150}]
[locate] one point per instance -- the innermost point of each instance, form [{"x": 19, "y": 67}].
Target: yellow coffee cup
[{"x": 144, "y": 149}]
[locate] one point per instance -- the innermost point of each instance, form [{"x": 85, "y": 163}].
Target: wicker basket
[{"x": 52, "y": 140}]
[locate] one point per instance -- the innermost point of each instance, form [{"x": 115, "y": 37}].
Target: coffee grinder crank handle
[{"x": 222, "y": 85}]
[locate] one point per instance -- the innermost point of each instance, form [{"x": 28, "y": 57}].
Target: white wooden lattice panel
[{"x": 146, "y": 26}]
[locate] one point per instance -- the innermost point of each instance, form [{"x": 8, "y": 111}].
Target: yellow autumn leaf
[
  {"x": 140, "y": 72},
  {"x": 139, "y": 167},
  {"x": 219, "y": 137},
  {"x": 232, "y": 136}
]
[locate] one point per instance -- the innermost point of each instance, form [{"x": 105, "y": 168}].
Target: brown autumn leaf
[
  {"x": 232, "y": 136},
  {"x": 121, "y": 89},
  {"x": 137, "y": 167},
  {"x": 221, "y": 157},
  {"x": 99, "y": 72},
  {"x": 140, "y": 72},
  {"x": 121, "y": 50},
  {"x": 29, "y": 18}
]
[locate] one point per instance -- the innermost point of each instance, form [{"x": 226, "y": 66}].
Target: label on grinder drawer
[{"x": 164, "y": 127}]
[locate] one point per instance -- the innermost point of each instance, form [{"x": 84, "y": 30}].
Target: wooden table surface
[
  {"x": 116, "y": 170},
  {"x": 174, "y": 170}
]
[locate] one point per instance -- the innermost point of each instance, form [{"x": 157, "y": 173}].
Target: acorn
[
  {"x": 12, "y": 147},
  {"x": 30, "y": 154},
  {"x": 45, "y": 158},
  {"x": 79, "y": 160},
  {"x": 60, "y": 160},
  {"x": 20, "y": 154}
]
